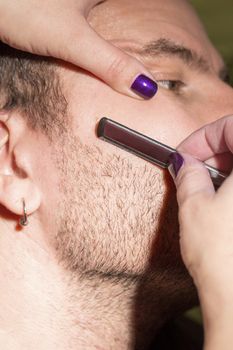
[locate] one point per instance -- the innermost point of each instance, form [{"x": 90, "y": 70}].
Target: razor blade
[{"x": 145, "y": 147}]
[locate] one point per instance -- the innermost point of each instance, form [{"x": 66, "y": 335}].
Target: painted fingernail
[
  {"x": 144, "y": 86},
  {"x": 176, "y": 161}
]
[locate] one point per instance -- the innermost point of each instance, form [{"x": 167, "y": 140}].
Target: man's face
[{"x": 116, "y": 208}]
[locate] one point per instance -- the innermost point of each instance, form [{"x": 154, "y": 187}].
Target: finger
[
  {"x": 118, "y": 69},
  {"x": 65, "y": 33},
  {"x": 223, "y": 162},
  {"x": 225, "y": 191},
  {"x": 190, "y": 177},
  {"x": 212, "y": 139}
]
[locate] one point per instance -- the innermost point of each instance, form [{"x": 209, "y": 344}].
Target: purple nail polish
[
  {"x": 177, "y": 161},
  {"x": 144, "y": 86}
]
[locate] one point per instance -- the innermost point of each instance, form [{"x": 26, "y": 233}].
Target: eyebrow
[{"x": 166, "y": 47}]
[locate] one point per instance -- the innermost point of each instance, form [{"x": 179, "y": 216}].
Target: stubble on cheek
[{"x": 109, "y": 212}]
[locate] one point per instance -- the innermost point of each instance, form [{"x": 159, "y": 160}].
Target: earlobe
[
  {"x": 16, "y": 182},
  {"x": 14, "y": 190}
]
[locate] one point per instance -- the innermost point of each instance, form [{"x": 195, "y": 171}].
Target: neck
[{"x": 44, "y": 308}]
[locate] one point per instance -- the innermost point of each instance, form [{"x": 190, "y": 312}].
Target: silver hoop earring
[{"x": 23, "y": 221}]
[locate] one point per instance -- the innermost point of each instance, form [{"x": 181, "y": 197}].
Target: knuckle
[
  {"x": 188, "y": 173},
  {"x": 192, "y": 206},
  {"x": 119, "y": 66}
]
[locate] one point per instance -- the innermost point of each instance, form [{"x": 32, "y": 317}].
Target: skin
[
  {"x": 206, "y": 246},
  {"x": 48, "y": 34},
  {"x": 99, "y": 265}
]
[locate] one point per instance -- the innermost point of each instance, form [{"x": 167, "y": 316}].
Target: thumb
[
  {"x": 62, "y": 31},
  {"x": 190, "y": 176},
  {"x": 119, "y": 70}
]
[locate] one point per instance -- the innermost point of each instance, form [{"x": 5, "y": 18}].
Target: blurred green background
[{"x": 217, "y": 16}]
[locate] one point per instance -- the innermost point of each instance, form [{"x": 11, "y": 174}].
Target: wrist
[
  {"x": 214, "y": 279},
  {"x": 217, "y": 312},
  {"x": 216, "y": 296},
  {"x": 218, "y": 330}
]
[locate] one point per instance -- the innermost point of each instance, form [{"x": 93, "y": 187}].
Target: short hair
[{"x": 31, "y": 84}]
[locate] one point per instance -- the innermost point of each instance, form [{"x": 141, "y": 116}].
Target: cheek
[
  {"x": 172, "y": 119},
  {"x": 165, "y": 117},
  {"x": 113, "y": 208}
]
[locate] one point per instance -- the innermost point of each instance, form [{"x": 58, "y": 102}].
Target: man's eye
[{"x": 172, "y": 85}]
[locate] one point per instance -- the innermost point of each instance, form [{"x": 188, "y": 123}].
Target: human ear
[{"x": 16, "y": 173}]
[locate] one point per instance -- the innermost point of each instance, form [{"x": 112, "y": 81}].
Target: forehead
[{"x": 137, "y": 22}]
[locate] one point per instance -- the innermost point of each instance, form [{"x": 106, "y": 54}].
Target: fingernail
[
  {"x": 144, "y": 86},
  {"x": 176, "y": 161}
]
